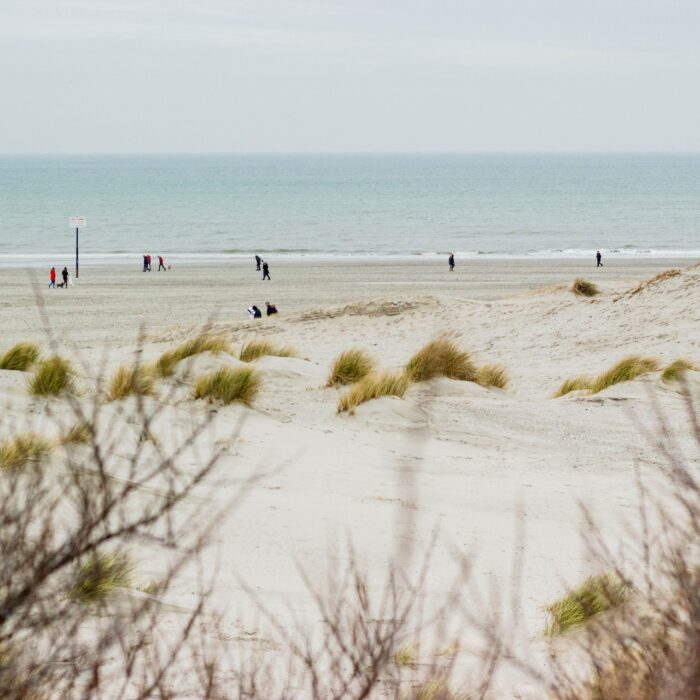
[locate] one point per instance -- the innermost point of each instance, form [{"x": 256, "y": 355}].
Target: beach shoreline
[{"x": 113, "y": 304}]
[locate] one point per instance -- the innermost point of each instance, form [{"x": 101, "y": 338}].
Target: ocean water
[{"x": 498, "y": 205}]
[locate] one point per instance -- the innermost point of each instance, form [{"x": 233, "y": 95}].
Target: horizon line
[{"x": 348, "y": 153}]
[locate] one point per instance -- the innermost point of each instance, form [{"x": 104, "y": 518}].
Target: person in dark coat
[
  {"x": 599, "y": 259},
  {"x": 271, "y": 308},
  {"x": 266, "y": 271},
  {"x": 258, "y": 261}
]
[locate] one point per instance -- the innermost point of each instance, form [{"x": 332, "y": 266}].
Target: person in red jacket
[
  {"x": 52, "y": 277},
  {"x": 161, "y": 264}
]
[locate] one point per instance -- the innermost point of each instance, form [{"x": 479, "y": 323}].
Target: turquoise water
[{"x": 339, "y": 205}]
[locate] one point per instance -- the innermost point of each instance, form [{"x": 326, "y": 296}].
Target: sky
[{"x": 213, "y": 76}]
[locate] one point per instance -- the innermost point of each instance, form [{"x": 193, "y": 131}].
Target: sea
[{"x": 215, "y": 207}]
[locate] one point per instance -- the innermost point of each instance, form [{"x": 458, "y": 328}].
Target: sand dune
[{"x": 482, "y": 464}]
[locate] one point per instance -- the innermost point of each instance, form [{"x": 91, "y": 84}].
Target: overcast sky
[{"x": 354, "y": 75}]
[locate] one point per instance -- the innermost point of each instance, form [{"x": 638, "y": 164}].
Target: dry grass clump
[
  {"x": 127, "y": 381},
  {"x": 350, "y": 366},
  {"x": 405, "y": 657},
  {"x": 371, "y": 387},
  {"x": 20, "y": 357},
  {"x": 165, "y": 365},
  {"x": 79, "y": 434},
  {"x": 574, "y": 384},
  {"x": 493, "y": 375},
  {"x": 229, "y": 385},
  {"x": 258, "y": 348},
  {"x": 595, "y": 595},
  {"x": 97, "y": 577},
  {"x": 584, "y": 288},
  {"x": 677, "y": 369},
  {"x": 625, "y": 370},
  {"x": 441, "y": 357},
  {"x": 52, "y": 377},
  {"x": 18, "y": 451}
]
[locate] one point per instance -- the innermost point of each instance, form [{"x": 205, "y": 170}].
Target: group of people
[
  {"x": 147, "y": 263},
  {"x": 52, "y": 278},
  {"x": 254, "y": 311},
  {"x": 259, "y": 262}
]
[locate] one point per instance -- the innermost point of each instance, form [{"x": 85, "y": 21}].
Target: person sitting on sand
[
  {"x": 52, "y": 277},
  {"x": 255, "y": 312},
  {"x": 266, "y": 271},
  {"x": 598, "y": 258},
  {"x": 451, "y": 262},
  {"x": 258, "y": 261},
  {"x": 271, "y": 308},
  {"x": 161, "y": 264}
]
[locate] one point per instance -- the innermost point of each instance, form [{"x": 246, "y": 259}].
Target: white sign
[{"x": 77, "y": 221}]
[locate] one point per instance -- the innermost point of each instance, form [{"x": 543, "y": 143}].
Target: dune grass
[
  {"x": 405, "y": 656},
  {"x": 441, "y": 357},
  {"x": 165, "y": 366},
  {"x": 493, "y": 375},
  {"x": 16, "y": 452},
  {"x": 229, "y": 385},
  {"x": 677, "y": 369},
  {"x": 625, "y": 370},
  {"x": 20, "y": 357},
  {"x": 79, "y": 434},
  {"x": 595, "y": 595},
  {"x": 52, "y": 377},
  {"x": 580, "y": 383},
  {"x": 350, "y": 366},
  {"x": 258, "y": 348},
  {"x": 128, "y": 381},
  {"x": 97, "y": 577},
  {"x": 371, "y": 387},
  {"x": 584, "y": 288}
]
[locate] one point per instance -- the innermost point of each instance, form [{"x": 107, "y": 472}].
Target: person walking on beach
[
  {"x": 148, "y": 262},
  {"x": 451, "y": 262},
  {"x": 266, "y": 271},
  {"x": 598, "y": 258},
  {"x": 161, "y": 264},
  {"x": 64, "y": 274},
  {"x": 258, "y": 260},
  {"x": 52, "y": 277}
]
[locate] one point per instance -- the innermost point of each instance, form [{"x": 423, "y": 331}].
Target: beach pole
[{"x": 77, "y": 222}]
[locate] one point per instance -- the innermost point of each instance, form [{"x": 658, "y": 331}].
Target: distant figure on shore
[
  {"x": 64, "y": 274},
  {"x": 52, "y": 277},
  {"x": 266, "y": 271},
  {"x": 255, "y": 312},
  {"x": 258, "y": 261},
  {"x": 599, "y": 259},
  {"x": 161, "y": 264},
  {"x": 148, "y": 261},
  {"x": 145, "y": 262},
  {"x": 271, "y": 308},
  {"x": 451, "y": 262}
]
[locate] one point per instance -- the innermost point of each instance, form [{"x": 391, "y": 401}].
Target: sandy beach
[{"x": 500, "y": 474}]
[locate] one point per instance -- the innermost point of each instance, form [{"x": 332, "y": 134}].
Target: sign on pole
[{"x": 77, "y": 222}]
